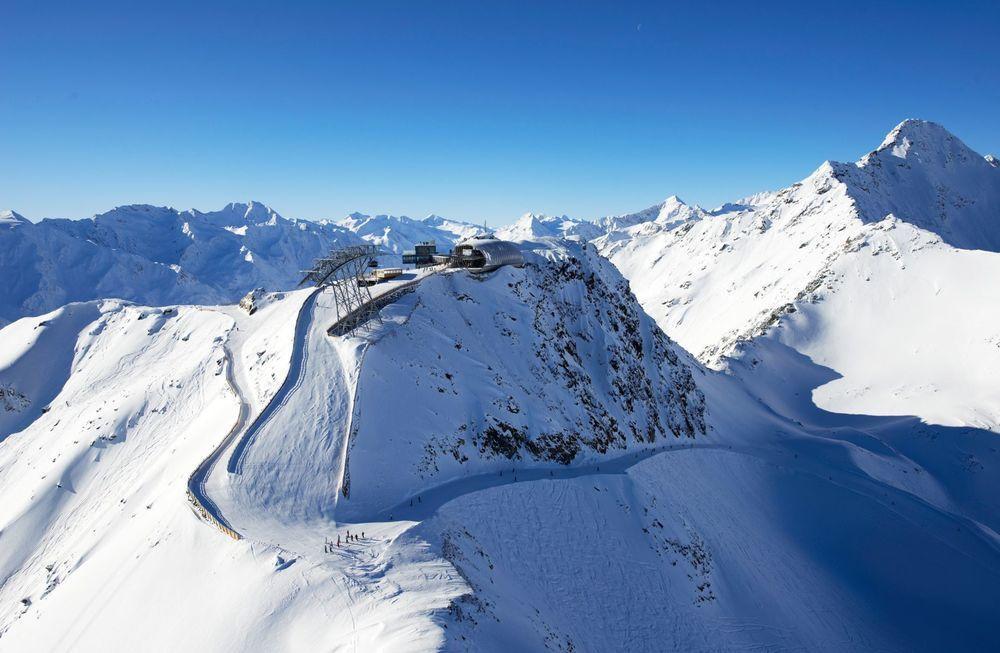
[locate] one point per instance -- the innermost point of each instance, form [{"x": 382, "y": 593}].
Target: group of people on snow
[{"x": 329, "y": 545}]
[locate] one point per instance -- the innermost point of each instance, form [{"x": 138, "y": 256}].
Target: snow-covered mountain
[
  {"x": 116, "y": 404},
  {"x": 860, "y": 266},
  {"x": 526, "y": 461},
  {"x": 669, "y": 213},
  {"x": 533, "y": 225},
  {"x": 158, "y": 255},
  {"x": 927, "y": 177},
  {"x": 551, "y": 364},
  {"x": 155, "y": 255},
  {"x": 397, "y": 234}
]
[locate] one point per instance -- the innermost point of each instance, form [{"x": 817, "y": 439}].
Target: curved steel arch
[{"x": 342, "y": 271}]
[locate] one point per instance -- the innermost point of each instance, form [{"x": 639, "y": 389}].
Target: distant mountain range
[{"x": 158, "y": 255}]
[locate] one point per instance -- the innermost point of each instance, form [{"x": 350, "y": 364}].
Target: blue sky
[{"x": 477, "y": 110}]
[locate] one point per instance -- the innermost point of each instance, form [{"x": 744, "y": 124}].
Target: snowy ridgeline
[{"x": 157, "y": 255}]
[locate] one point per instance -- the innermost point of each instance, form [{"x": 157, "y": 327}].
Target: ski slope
[{"x": 134, "y": 530}]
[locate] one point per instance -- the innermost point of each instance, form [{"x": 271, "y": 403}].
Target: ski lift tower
[{"x": 343, "y": 270}]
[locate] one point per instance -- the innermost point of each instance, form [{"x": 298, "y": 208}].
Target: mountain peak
[
  {"x": 926, "y": 176},
  {"x": 9, "y": 218},
  {"x": 923, "y": 141},
  {"x": 915, "y": 127},
  {"x": 674, "y": 211},
  {"x": 534, "y": 224},
  {"x": 252, "y": 210}
]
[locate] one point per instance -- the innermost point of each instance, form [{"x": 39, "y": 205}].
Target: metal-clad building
[
  {"x": 421, "y": 254},
  {"x": 486, "y": 254}
]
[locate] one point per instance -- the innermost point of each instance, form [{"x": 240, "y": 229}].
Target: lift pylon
[{"x": 342, "y": 271}]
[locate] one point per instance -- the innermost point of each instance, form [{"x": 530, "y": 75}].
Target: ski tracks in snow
[{"x": 292, "y": 380}]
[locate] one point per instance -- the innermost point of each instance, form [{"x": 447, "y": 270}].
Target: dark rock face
[
  {"x": 11, "y": 400},
  {"x": 609, "y": 375},
  {"x": 575, "y": 306}
]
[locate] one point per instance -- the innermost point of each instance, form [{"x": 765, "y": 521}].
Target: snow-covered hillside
[
  {"x": 156, "y": 256},
  {"x": 100, "y": 547},
  {"x": 532, "y": 464}
]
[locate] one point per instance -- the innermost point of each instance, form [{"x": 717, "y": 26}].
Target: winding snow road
[{"x": 196, "y": 482}]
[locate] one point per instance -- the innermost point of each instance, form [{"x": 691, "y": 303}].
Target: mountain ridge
[{"x": 908, "y": 223}]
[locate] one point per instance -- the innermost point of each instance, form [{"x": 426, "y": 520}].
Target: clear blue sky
[{"x": 478, "y": 110}]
